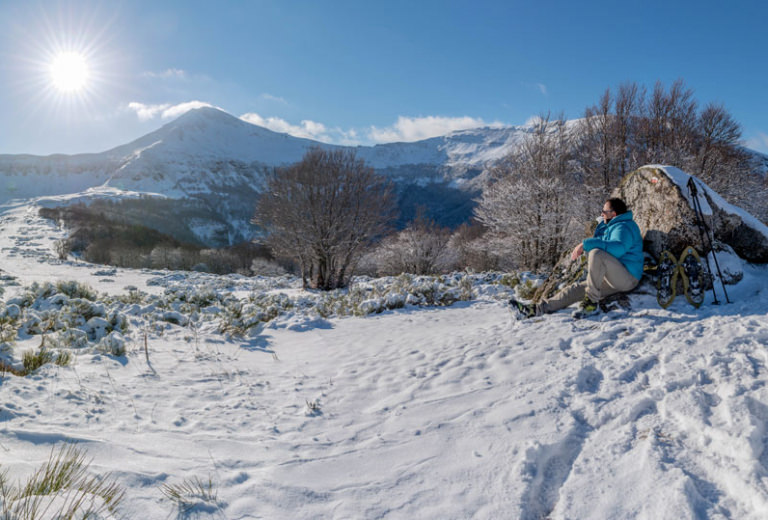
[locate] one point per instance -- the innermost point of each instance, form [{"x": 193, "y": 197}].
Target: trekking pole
[{"x": 704, "y": 230}]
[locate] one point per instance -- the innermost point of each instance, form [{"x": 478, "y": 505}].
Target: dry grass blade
[{"x": 190, "y": 492}]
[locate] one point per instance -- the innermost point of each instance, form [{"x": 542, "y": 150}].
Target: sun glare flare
[{"x": 69, "y": 72}]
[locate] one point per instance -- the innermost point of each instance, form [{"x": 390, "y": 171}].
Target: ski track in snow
[{"x": 456, "y": 412}]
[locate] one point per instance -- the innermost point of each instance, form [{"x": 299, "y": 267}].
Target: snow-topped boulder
[{"x": 663, "y": 207}]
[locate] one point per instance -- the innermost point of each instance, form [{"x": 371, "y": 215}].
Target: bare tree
[
  {"x": 719, "y": 136},
  {"x": 323, "y": 212},
  {"x": 629, "y": 102},
  {"x": 596, "y": 154},
  {"x": 669, "y": 125},
  {"x": 604, "y": 139}
]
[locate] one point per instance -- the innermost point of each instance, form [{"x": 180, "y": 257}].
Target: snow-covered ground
[{"x": 416, "y": 412}]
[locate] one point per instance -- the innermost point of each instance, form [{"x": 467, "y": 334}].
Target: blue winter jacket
[{"x": 621, "y": 238}]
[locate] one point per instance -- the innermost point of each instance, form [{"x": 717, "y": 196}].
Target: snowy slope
[{"x": 421, "y": 412}]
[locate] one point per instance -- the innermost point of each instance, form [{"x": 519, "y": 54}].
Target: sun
[{"x": 69, "y": 72}]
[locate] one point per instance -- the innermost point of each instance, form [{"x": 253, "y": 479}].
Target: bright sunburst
[{"x": 69, "y": 72}]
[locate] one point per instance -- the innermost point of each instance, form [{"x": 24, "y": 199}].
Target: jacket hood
[{"x": 621, "y": 218}]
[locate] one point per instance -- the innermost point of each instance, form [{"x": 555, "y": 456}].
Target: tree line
[
  {"x": 332, "y": 214},
  {"x": 96, "y": 236}
]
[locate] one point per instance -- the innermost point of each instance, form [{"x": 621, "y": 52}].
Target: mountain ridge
[{"x": 206, "y": 138}]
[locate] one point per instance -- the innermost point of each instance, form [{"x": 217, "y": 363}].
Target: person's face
[{"x": 608, "y": 212}]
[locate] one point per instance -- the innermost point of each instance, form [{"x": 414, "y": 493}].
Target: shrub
[
  {"x": 62, "y": 249},
  {"x": 75, "y": 289},
  {"x": 33, "y": 360}
]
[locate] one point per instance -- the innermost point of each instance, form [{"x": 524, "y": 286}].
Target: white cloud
[
  {"x": 759, "y": 142},
  {"x": 533, "y": 120},
  {"x": 176, "y": 110},
  {"x": 542, "y": 88},
  {"x": 307, "y": 129},
  {"x": 165, "y": 110},
  {"x": 408, "y": 129}
]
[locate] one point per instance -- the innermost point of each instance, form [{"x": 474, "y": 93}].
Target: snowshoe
[
  {"x": 666, "y": 279},
  {"x": 692, "y": 274}
]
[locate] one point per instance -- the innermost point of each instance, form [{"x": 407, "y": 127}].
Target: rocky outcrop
[{"x": 663, "y": 207}]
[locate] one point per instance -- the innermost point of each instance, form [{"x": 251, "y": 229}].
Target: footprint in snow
[{"x": 589, "y": 379}]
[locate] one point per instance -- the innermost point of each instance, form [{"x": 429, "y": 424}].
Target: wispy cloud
[
  {"x": 164, "y": 110},
  {"x": 276, "y": 99},
  {"x": 167, "y": 74},
  {"x": 537, "y": 86},
  {"x": 307, "y": 129},
  {"x": 409, "y": 129}
]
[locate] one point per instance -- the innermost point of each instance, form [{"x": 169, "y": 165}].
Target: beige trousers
[{"x": 605, "y": 276}]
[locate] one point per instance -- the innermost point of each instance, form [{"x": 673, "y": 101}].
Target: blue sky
[{"x": 362, "y": 72}]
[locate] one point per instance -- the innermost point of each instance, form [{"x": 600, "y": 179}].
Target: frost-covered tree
[
  {"x": 534, "y": 203},
  {"x": 323, "y": 212},
  {"x": 475, "y": 249},
  {"x": 604, "y": 139},
  {"x": 421, "y": 248}
]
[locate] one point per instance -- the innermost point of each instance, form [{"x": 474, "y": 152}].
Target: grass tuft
[
  {"x": 190, "y": 492},
  {"x": 33, "y": 360}
]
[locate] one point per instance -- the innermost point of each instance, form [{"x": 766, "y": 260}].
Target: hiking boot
[
  {"x": 522, "y": 311},
  {"x": 615, "y": 302},
  {"x": 587, "y": 307}
]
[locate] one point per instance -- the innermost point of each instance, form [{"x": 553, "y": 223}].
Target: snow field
[{"x": 411, "y": 412}]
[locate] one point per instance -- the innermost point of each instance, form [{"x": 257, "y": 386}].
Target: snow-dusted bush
[
  {"x": 113, "y": 343},
  {"x": 68, "y": 338},
  {"x": 369, "y": 296},
  {"x": 421, "y": 248},
  {"x": 174, "y": 317},
  {"x": 264, "y": 267},
  {"x": 134, "y": 295},
  {"x": 75, "y": 289},
  {"x": 243, "y": 318}
]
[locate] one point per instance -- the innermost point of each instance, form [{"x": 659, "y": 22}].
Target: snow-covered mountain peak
[{"x": 211, "y": 134}]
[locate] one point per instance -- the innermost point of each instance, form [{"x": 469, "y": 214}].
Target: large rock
[{"x": 663, "y": 208}]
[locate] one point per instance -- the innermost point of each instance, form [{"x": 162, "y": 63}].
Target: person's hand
[{"x": 577, "y": 252}]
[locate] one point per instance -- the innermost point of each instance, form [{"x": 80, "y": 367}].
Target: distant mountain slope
[
  {"x": 214, "y": 161},
  {"x": 206, "y": 147}
]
